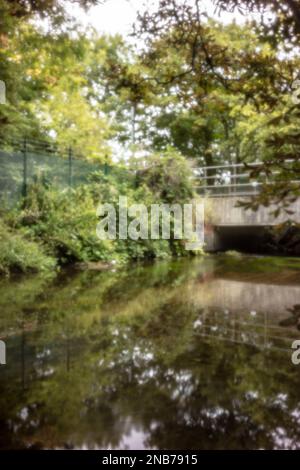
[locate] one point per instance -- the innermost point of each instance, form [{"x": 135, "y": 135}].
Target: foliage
[
  {"x": 52, "y": 9},
  {"x": 20, "y": 254},
  {"x": 65, "y": 221},
  {"x": 169, "y": 176},
  {"x": 250, "y": 70},
  {"x": 286, "y": 18},
  {"x": 217, "y": 93}
]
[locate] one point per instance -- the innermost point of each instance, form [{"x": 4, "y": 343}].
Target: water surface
[{"x": 189, "y": 354}]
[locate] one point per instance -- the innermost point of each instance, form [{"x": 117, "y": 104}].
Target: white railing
[{"x": 229, "y": 180}]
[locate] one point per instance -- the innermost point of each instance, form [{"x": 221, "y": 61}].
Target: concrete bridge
[{"x": 228, "y": 226}]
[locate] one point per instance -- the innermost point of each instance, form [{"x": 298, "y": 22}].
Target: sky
[{"x": 117, "y": 16}]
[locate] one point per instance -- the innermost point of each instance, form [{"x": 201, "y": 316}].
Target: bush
[
  {"x": 65, "y": 221},
  {"x": 17, "y": 254},
  {"x": 169, "y": 177}
]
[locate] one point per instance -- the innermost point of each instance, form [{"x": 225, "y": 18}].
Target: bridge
[{"x": 229, "y": 225}]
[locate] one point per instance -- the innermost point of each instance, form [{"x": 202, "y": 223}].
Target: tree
[
  {"x": 49, "y": 92},
  {"x": 53, "y": 9},
  {"x": 286, "y": 14},
  {"x": 264, "y": 78}
]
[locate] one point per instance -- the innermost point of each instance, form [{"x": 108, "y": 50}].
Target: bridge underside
[
  {"x": 229, "y": 227},
  {"x": 225, "y": 211},
  {"x": 250, "y": 239}
]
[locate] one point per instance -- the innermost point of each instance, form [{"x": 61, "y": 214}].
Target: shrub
[
  {"x": 169, "y": 177},
  {"x": 18, "y": 254},
  {"x": 65, "y": 221}
]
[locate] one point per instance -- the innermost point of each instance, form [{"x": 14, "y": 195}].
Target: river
[{"x": 185, "y": 354}]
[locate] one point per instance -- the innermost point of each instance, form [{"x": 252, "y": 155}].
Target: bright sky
[{"x": 117, "y": 16}]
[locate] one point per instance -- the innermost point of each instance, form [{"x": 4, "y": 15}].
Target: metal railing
[
  {"x": 236, "y": 328},
  {"x": 228, "y": 180}
]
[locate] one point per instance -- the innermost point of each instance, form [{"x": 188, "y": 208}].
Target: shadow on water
[{"x": 184, "y": 354}]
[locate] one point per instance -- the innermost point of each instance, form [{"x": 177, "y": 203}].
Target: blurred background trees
[{"x": 217, "y": 93}]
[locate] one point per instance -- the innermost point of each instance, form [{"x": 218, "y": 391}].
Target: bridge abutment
[{"x": 230, "y": 227}]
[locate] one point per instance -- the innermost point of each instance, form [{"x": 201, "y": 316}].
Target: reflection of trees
[
  {"x": 294, "y": 319},
  {"x": 96, "y": 367}
]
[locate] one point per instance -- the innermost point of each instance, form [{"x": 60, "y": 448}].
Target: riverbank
[{"x": 52, "y": 228}]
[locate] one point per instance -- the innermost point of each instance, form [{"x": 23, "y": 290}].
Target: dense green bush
[
  {"x": 65, "y": 221},
  {"x": 169, "y": 176},
  {"x": 18, "y": 254}
]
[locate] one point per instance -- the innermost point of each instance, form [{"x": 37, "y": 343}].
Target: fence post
[
  {"x": 70, "y": 167},
  {"x": 206, "y": 190},
  {"x": 106, "y": 166},
  {"x": 25, "y": 168},
  {"x": 234, "y": 178}
]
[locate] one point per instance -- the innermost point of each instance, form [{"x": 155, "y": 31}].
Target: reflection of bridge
[
  {"x": 258, "y": 340},
  {"x": 222, "y": 187},
  {"x": 248, "y": 313}
]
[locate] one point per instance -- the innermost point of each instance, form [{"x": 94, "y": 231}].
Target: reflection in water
[
  {"x": 186, "y": 354},
  {"x": 294, "y": 319}
]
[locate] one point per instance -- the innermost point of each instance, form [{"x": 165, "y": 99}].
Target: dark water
[{"x": 192, "y": 354}]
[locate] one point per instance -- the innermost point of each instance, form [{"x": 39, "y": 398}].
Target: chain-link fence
[{"x": 22, "y": 163}]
